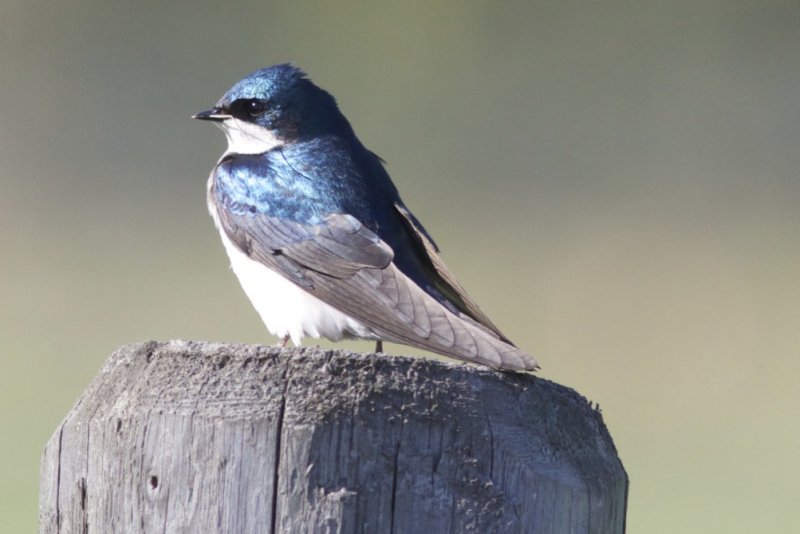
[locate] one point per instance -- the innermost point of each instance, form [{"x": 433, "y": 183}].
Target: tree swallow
[{"x": 318, "y": 236}]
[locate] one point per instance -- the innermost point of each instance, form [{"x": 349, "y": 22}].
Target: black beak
[{"x": 213, "y": 114}]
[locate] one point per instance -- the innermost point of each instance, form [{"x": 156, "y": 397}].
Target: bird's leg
[
  {"x": 379, "y": 346},
  {"x": 283, "y": 342}
]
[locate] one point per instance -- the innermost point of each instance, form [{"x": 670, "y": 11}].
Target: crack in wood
[
  {"x": 502, "y": 452},
  {"x": 278, "y": 433}
]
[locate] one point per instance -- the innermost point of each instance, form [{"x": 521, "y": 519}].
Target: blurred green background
[{"x": 615, "y": 182}]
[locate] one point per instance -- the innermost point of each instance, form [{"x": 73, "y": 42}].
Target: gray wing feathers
[
  {"x": 447, "y": 282},
  {"x": 409, "y": 315},
  {"x": 348, "y": 266},
  {"x": 340, "y": 248}
]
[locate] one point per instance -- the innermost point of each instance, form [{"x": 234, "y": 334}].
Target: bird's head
[{"x": 274, "y": 106}]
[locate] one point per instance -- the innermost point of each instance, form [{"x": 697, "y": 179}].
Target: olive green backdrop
[{"x": 617, "y": 183}]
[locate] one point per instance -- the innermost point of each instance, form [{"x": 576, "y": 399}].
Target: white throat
[{"x": 247, "y": 138}]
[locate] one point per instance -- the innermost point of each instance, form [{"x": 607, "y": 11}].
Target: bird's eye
[{"x": 256, "y": 107}]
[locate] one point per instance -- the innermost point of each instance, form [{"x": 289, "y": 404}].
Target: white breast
[{"x": 286, "y": 309}]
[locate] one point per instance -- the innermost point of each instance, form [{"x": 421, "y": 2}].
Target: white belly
[{"x": 286, "y": 309}]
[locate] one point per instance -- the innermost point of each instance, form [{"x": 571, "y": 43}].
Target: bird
[{"x": 318, "y": 236}]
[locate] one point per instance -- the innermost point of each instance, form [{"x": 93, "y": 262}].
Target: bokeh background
[{"x": 615, "y": 182}]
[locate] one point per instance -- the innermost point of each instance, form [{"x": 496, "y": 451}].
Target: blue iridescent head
[{"x": 279, "y": 102}]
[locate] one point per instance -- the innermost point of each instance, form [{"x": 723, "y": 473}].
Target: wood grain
[{"x": 196, "y": 437}]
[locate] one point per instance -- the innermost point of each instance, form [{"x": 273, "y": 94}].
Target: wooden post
[{"x": 197, "y": 438}]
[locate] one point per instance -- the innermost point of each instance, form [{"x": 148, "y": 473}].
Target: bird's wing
[
  {"x": 442, "y": 278},
  {"x": 346, "y": 265},
  {"x": 339, "y": 247}
]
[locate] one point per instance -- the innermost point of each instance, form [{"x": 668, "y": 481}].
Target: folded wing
[{"x": 346, "y": 265}]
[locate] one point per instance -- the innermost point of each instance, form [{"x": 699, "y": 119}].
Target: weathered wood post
[{"x": 200, "y": 438}]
